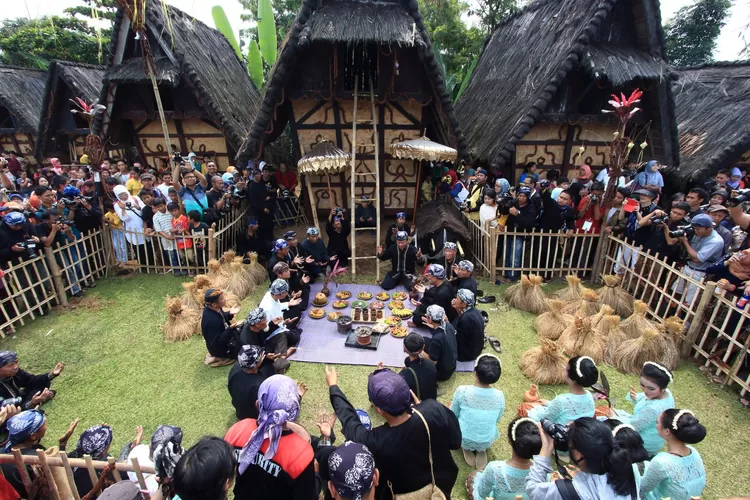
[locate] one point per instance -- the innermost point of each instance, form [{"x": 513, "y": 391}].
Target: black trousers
[
  {"x": 418, "y": 313},
  {"x": 392, "y": 280}
]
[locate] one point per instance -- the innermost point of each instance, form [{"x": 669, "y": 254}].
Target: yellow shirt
[
  {"x": 113, "y": 220},
  {"x": 133, "y": 186}
]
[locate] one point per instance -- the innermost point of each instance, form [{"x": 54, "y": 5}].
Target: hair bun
[{"x": 692, "y": 432}]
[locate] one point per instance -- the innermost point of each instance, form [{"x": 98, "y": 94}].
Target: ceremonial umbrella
[{"x": 323, "y": 158}]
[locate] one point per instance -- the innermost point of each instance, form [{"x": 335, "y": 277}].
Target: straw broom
[
  {"x": 614, "y": 296},
  {"x": 182, "y": 322},
  {"x": 650, "y": 346},
  {"x": 579, "y": 339},
  {"x": 237, "y": 284},
  {"x": 573, "y": 291},
  {"x": 256, "y": 270},
  {"x": 534, "y": 300},
  {"x": 551, "y": 324},
  {"x": 216, "y": 274},
  {"x": 604, "y": 310},
  {"x": 637, "y": 323},
  {"x": 544, "y": 364},
  {"x": 516, "y": 294}
]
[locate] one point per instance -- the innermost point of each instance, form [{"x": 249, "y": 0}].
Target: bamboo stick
[
  {"x": 69, "y": 474},
  {"x": 90, "y": 468},
  {"x": 52, "y": 486},
  {"x": 115, "y": 472},
  {"x": 74, "y": 462},
  {"x": 18, "y": 458}
]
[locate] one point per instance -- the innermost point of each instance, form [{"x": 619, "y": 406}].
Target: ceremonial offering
[
  {"x": 340, "y": 304},
  {"x": 317, "y": 313},
  {"x": 400, "y": 296},
  {"x": 343, "y": 324},
  {"x": 402, "y": 313},
  {"x": 333, "y": 316},
  {"x": 399, "y": 332},
  {"x": 320, "y": 300},
  {"x": 359, "y": 304},
  {"x": 377, "y": 305},
  {"x": 364, "y": 295},
  {"x": 392, "y": 321},
  {"x": 395, "y": 304},
  {"x": 382, "y": 296},
  {"x": 343, "y": 295},
  {"x": 364, "y": 335}
]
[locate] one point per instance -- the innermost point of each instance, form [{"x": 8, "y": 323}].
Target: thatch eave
[{"x": 21, "y": 93}]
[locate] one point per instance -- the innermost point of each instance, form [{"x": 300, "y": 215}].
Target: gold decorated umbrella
[
  {"x": 422, "y": 149},
  {"x": 323, "y": 159}
]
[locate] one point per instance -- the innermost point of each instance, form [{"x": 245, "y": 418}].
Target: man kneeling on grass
[
  {"x": 271, "y": 334},
  {"x": 33, "y": 390}
]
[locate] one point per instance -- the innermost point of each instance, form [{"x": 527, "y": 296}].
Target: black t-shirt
[
  {"x": 213, "y": 197},
  {"x": 147, "y": 214},
  {"x": 243, "y": 388},
  {"x": 42, "y": 231},
  {"x": 200, "y": 230},
  {"x": 424, "y": 384},
  {"x": 444, "y": 351}
]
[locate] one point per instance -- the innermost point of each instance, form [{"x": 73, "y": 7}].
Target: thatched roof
[
  {"x": 438, "y": 215},
  {"x": 83, "y": 80},
  {"x": 394, "y": 22},
  {"x": 21, "y": 93},
  {"x": 132, "y": 71},
  {"x": 528, "y": 58},
  {"x": 713, "y": 103},
  {"x": 201, "y": 55}
]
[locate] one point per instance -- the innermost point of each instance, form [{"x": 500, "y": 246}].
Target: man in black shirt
[
  {"x": 401, "y": 447},
  {"x": 262, "y": 204},
  {"x": 364, "y": 214},
  {"x": 441, "y": 348},
  {"x": 17, "y": 383},
  {"x": 222, "y": 339},
  {"x": 661, "y": 224},
  {"x": 420, "y": 373},
  {"x": 16, "y": 235},
  {"x": 218, "y": 199},
  {"x": 403, "y": 259},
  {"x": 440, "y": 293},
  {"x": 245, "y": 379},
  {"x": 696, "y": 198},
  {"x": 338, "y": 229},
  {"x": 463, "y": 278},
  {"x": 469, "y": 325},
  {"x": 280, "y": 253},
  {"x": 521, "y": 218}
]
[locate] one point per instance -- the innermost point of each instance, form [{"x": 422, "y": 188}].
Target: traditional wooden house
[
  {"x": 62, "y": 134},
  {"x": 21, "y": 93},
  {"x": 332, "y": 45},
  {"x": 546, "y": 73},
  {"x": 206, "y": 92},
  {"x": 713, "y": 102}
]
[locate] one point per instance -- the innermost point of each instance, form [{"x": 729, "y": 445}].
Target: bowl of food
[
  {"x": 364, "y": 295},
  {"x": 359, "y": 304},
  {"x": 377, "y": 305},
  {"x": 343, "y": 295},
  {"x": 364, "y": 335},
  {"x": 399, "y": 332},
  {"x": 320, "y": 300},
  {"x": 317, "y": 313},
  {"x": 333, "y": 316},
  {"x": 395, "y": 304},
  {"x": 340, "y": 304},
  {"x": 382, "y": 296},
  {"x": 402, "y": 313},
  {"x": 392, "y": 321},
  {"x": 344, "y": 324},
  {"x": 400, "y": 295},
  {"x": 380, "y": 329}
]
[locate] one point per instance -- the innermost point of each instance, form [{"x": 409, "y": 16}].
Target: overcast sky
[{"x": 729, "y": 44}]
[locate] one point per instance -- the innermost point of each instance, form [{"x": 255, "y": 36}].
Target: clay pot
[
  {"x": 344, "y": 324},
  {"x": 531, "y": 396},
  {"x": 325, "y": 291}
]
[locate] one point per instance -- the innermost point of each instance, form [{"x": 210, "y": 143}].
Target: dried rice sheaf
[
  {"x": 650, "y": 346},
  {"x": 216, "y": 274},
  {"x": 515, "y": 294},
  {"x": 182, "y": 322},
  {"x": 636, "y": 323},
  {"x": 551, "y": 324},
  {"x": 613, "y": 295},
  {"x": 604, "y": 310},
  {"x": 573, "y": 291},
  {"x": 609, "y": 329},
  {"x": 579, "y": 339},
  {"x": 534, "y": 300},
  {"x": 673, "y": 330},
  {"x": 190, "y": 297},
  {"x": 237, "y": 283},
  {"x": 588, "y": 305},
  {"x": 256, "y": 269},
  {"x": 544, "y": 364}
]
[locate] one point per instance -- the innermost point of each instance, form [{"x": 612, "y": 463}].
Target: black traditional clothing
[
  {"x": 421, "y": 375},
  {"x": 441, "y": 295},
  {"x": 243, "y": 388},
  {"x": 469, "y": 334},
  {"x": 403, "y": 265},
  {"x": 338, "y": 242},
  {"x": 443, "y": 350},
  {"x": 24, "y": 385},
  {"x": 222, "y": 340}
]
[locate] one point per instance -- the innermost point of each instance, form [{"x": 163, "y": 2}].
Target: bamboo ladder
[{"x": 356, "y": 175}]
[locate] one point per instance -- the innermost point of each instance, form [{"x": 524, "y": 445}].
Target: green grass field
[{"x": 120, "y": 371}]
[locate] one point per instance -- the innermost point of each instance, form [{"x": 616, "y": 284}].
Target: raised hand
[{"x": 332, "y": 376}]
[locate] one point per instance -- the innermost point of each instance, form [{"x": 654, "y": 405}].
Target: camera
[
  {"x": 10, "y": 402},
  {"x": 66, "y": 202},
  {"x": 506, "y": 201},
  {"x": 544, "y": 184},
  {"x": 68, "y": 222},
  {"x": 558, "y": 433},
  {"x": 742, "y": 196},
  {"x": 128, "y": 205},
  {"x": 659, "y": 220},
  {"x": 87, "y": 199},
  {"x": 594, "y": 197},
  {"x": 687, "y": 231},
  {"x": 237, "y": 192},
  {"x": 30, "y": 246}
]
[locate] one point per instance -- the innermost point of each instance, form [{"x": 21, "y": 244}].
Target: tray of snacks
[
  {"x": 377, "y": 305},
  {"x": 382, "y": 296},
  {"x": 399, "y": 332},
  {"x": 317, "y": 313},
  {"x": 392, "y": 321},
  {"x": 333, "y": 316},
  {"x": 343, "y": 295},
  {"x": 364, "y": 295},
  {"x": 340, "y": 304},
  {"x": 366, "y": 315},
  {"x": 402, "y": 313},
  {"x": 359, "y": 304},
  {"x": 395, "y": 304},
  {"x": 400, "y": 295}
]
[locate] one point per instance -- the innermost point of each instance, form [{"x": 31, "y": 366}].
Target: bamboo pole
[
  {"x": 211, "y": 243},
  {"x": 74, "y": 462},
  {"x": 162, "y": 118},
  {"x": 52, "y": 486},
  {"x": 56, "y": 274},
  {"x": 416, "y": 191},
  {"x": 330, "y": 191},
  {"x": 312, "y": 201},
  {"x": 69, "y": 474},
  {"x": 90, "y": 468},
  {"x": 18, "y": 458},
  {"x": 115, "y": 472}
]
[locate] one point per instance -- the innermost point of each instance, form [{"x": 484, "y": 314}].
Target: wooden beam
[
  {"x": 312, "y": 111},
  {"x": 568, "y": 148},
  {"x": 406, "y": 114},
  {"x": 180, "y": 135}
]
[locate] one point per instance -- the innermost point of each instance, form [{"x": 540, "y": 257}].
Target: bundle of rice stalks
[
  {"x": 188, "y": 298},
  {"x": 544, "y": 364},
  {"x": 636, "y": 323},
  {"x": 610, "y": 331},
  {"x": 182, "y": 322},
  {"x": 237, "y": 283},
  {"x": 614, "y": 296},
  {"x": 650, "y": 346},
  {"x": 534, "y": 300},
  {"x": 588, "y": 305},
  {"x": 604, "y": 310},
  {"x": 232, "y": 300},
  {"x": 256, "y": 270},
  {"x": 244, "y": 271},
  {"x": 226, "y": 262},
  {"x": 516, "y": 294},
  {"x": 217, "y": 274},
  {"x": 673, "y": 330},
  {"x": 573, "y": 291},
  {"x": 579, "y": 339},
  {"x": 551, "y": 324}
]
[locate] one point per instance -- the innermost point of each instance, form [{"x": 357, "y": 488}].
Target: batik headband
[
  {"x": 401, "y": 215},
  {"x": 313, "y": 231},
  {"x": 680, "y": 414},
  {"x": 466, "y": 265},
  {"x": 436, "y": 313},
  {"x": 436, "y": 270},
  {"x": 466, "y": 296},
  {"x": 290, "y": 235},
  {"x": 660, "y": 368},
  {"x": 516, "y": 424},
  {"x": 7, "y": 357},
  {"x": 449, "y": 245},
  {"x": 578, "y": 365},
  {"x": 23, "y": 425},
  {"x": 94, "y": 441},
  {"x": 256, "y": 316},
  {"x": 249, "y": 356},
  {"x": 279, "y": 286},
  {"x": 280, "y": 245},
  {"x": 351, "y": 468},
  {"x": 402, "y": 236}
]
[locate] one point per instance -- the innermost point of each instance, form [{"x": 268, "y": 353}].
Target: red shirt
[
  {"x": 287, "y": 179},
  {"x": 589, "y": 217},
  {"x": 182, "y": 223}
]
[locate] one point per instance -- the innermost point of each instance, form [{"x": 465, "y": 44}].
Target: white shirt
[
  {"x": 164, "y": 189},
  {"x": 133, "y": 225},
  {"x": 487, "y": 212},
  {"x": 272, "y": 308},
  {"x": 163, "y": 224}
]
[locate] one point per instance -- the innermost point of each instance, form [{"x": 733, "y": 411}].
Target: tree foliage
[
  {"x": 691, "y": 34},
  {"x": 492, "y": 12},
  {"x": 284, "y": 12},
  {"x": 35, "y": 42}
]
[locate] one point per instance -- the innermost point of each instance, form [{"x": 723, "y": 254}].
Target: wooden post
[
  {"x": 601, "y": 253},
  {"x": 25, "y": 479},
  {"x": 52, "y": 486},
  {"x": 90, "y": 468},
  {"x": 211, "y": 243},
  {"x": 139, "y": 473},
  {"x": 69, "y": 474},
  {"x": 697, "y": 321},
  {"x": 56, "y": 273},
  {"x": 314, "y": 208},
  {"x": 115, "y": 472},
  {"x": 330, "y": 192},
  {"x": 416, "y": 193},
  {"x": 110, "y": 261}
]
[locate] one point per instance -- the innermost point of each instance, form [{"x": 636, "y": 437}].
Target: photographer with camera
[
  {"x": 704, "y": 247},
  {"x": 193, "y": 192},
  {"x": 591, "y": 210},
  {"x": 475, "y": 198},
  {"x": 521, "y": 218},
  {"x": 55, "y": 230},
  {"x": 661, "y": 224},
  {"x": 18, "y": 239},
  {"x": 605, "y": 469}
]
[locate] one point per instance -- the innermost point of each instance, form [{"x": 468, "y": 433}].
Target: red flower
[{"x": 624, "y": 106}]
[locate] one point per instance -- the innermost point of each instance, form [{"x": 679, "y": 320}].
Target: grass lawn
[{"x": 120, "y": 371}]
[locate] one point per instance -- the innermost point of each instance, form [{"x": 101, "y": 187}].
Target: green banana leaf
[
  {"x": 267, "y": 31},
  {"x": 255, "y": 63},
  {"x": 222, "y": 24},
  {"x": 467, "y": 78}
]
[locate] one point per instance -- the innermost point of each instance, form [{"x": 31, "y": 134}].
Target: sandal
[
  {"x": 745, "y": 402},
  {"x": 495, "y": 344}
]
